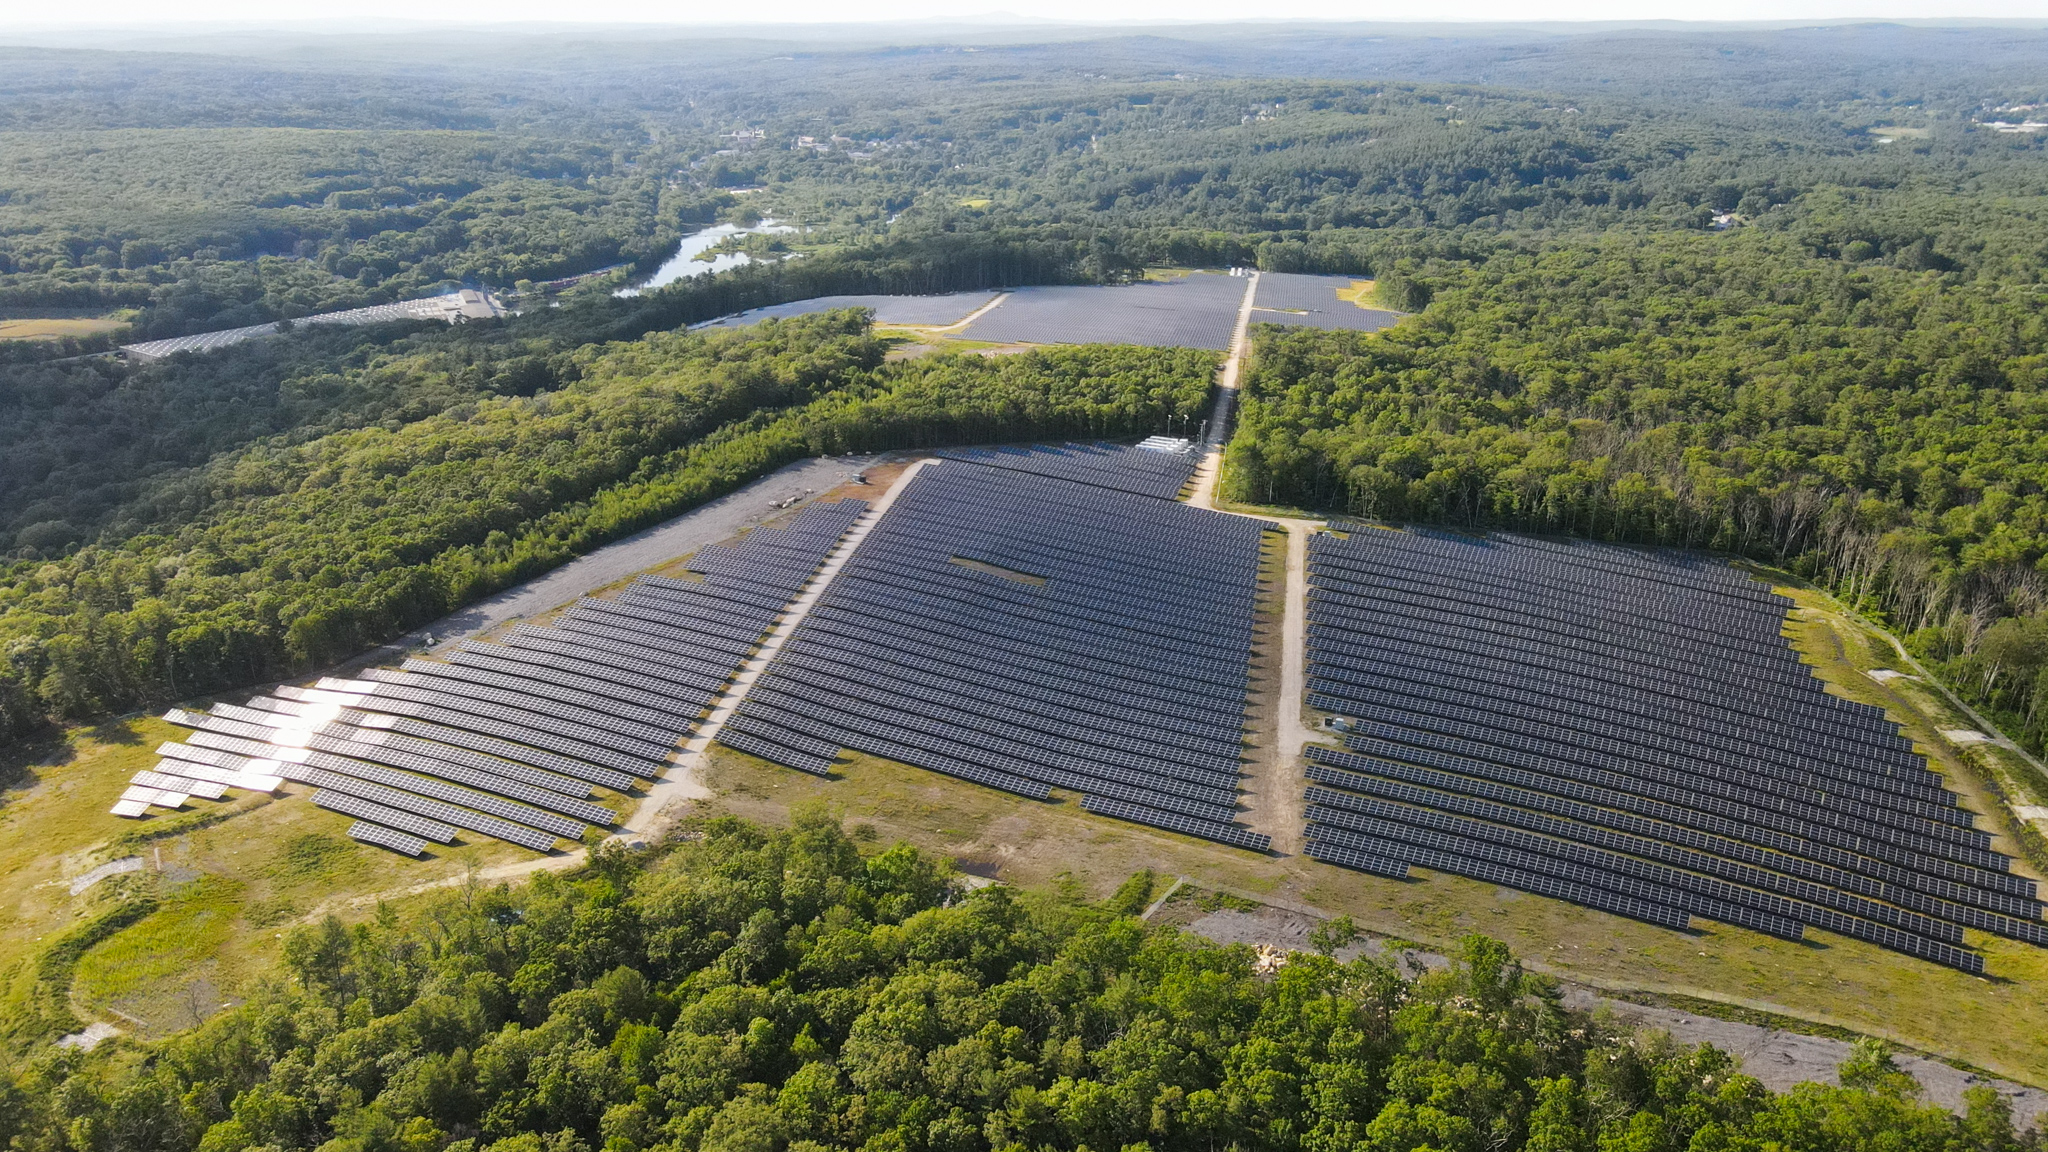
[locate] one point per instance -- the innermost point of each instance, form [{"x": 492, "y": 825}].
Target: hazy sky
[{"x": 40, "y": 13}]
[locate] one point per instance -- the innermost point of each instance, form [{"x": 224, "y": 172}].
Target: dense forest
[
  {"x": 1851, "y": 386},
  {"x": 1661, "y": 294},
  {"x": 288, "y": 554},
  {"x": 748, "y": 990},
  {"x": 302, "y": 180}
]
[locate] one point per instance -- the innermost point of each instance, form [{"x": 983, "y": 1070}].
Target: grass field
[
  {"x": 1362, "y": 293},
  {"x": 228, "y": 876},
  {"x": 58, "y": 327}
]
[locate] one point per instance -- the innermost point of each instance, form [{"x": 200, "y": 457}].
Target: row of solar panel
[
  {"x": 1728, "y": 629},
  {"x": 1073, "y": 603},
  {"x": 1071, "y": 711},
  {"x": 942, "y": 720},
  {"x": 1068, "y": 617},
  {"x": 1148, "y": 668},
  {"x": 1460, "y": 852},
  {"x": 1744, "y": 696},
  {"x": 1680, "y": 831},
  {"x": 1620, "y": 640},
  {"x": 1473, "y": 578},
  {"x": 1136, "y": 702},
  {"x": 1808, "y": 903},
  {"x": 1004, "y": 485},
  {"x": 1689, "y": 573},
  {"x": 1910, "y": 781},
  {"x": 943, "y": 511},
  {"x": 1693, "y": 668},
  {"x": 1492, "y": 733},
  {"x": 1033, "y": 663},
  {"x": 391, "y": 775},
  {"x": 527, "y": 726},
  {"x": 1475, "y": 743},
  {"x": 1675, "y": 737},
  {"x": 954, "y": 489},
  {"x": 1993, "y": 891},
  {"x": 1759, "y": 868},
  {"x": 1105, "y": 587},
  {"x": 1157, "y": 474},
  {"x": 1775, "y": 784},
  {"x": 1527, "y": 738},
  {"x": 1688, "y": 606},
  {"x": 948, "y": 651},
  {"x": 340, "y": 738},
  {"x": 841, "y": 720},
  {"x": 1590, "y": 563}
]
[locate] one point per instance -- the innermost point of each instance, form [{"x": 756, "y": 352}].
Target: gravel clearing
[{"x": 1778, "y": 1058}]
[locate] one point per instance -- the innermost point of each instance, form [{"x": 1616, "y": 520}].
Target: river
[{"x": 684, "y": 264}]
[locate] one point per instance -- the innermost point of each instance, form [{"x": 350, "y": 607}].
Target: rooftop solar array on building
[
  {"x": 1031, "y": 633},
  {"x": 1158, "y": 471},
  {"x": 1293, "y": 300},
  {"x": 1628, "y": 730},
  {"x": 509, "y": 740}
]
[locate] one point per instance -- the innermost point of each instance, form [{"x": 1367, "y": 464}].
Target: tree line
[
  {"x": 1823, "y": 395},
  {"x": 758, "y": 990},
  {"x": 291, "y": 554}
]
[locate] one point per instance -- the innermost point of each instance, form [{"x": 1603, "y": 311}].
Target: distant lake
[{"x": 684, "y": 263}]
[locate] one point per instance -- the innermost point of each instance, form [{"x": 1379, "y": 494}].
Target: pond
[{"x": 684, "y": 264}]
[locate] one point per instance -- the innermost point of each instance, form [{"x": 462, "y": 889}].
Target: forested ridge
[
  {"x": 302, "y": 183},
  {"x": 767, "y": 990},
  {"x": 1598, "y": 358}
]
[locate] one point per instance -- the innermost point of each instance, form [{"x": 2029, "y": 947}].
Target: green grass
[
  {"x": 235, "y": 874},
  {"x": 163, "y": 948},
  {"x": 56, "y": 328}
]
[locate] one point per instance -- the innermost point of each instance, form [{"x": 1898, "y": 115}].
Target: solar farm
[
  {"x": 1629, "y": 731},
  {"x": 1293, "y": 300},
  {"x": 509, "y": 740},
  {"x": 1625, "y": 730},
  {"x": 1136, "y": 703},
  {"x": 1199, "y": 310},
  {"x": 468, "y": 304},
  {"x": 924, "y": 311}
]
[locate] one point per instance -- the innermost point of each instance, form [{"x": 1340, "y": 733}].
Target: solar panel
[
  {"x": 984, "y": 630},
  {"x": 387, "y": 838},
  {"x": 1611, "y": 725}
]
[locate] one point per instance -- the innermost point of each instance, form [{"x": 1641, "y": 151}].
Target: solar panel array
[
  {"x": 1294, "y": 300},
  {"x": 441, "y": 307},
  {"x": 1631, "y": 731},
  {"x": 1030, "y": 633},
  {"x": 1126, "y": 469},
  {"x": 924, "y": 311},
  {"x": 508, "y": 739},
  {"x": 1198, "y": 311}
]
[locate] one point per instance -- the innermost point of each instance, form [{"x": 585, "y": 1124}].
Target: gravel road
[
  {"x": 707, "y": 524},
  {"x": 1778, "y": 1058}
]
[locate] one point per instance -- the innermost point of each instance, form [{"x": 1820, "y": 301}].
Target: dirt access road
[
  {"x": 721, "y": 519},
  {"x": 1274, "y": 777}
]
